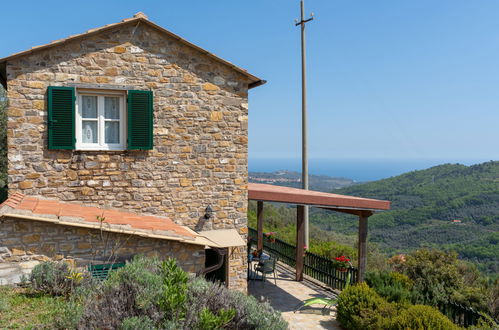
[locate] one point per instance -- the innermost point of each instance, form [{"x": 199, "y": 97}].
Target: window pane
[
  {"x": 89, "y": 131},
  {"x": 112, "y": 107},
  {"x": 112, "y": 129},
  {"x": 89, "y": 106}
]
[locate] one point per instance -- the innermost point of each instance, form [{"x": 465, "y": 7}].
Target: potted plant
[
  {"x": 271, "y": 236},
  {"x": 305, "y": 248},
  {"x": 342, "y": 263}
]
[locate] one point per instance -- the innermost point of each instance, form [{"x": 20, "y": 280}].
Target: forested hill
[
  {"x": 444, "y": 192},
  {"x": 448, "y": 206}
]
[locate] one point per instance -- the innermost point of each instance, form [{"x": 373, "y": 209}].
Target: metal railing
[
  {"x": 315, "y": 266},
  {"x": 460, "y": 315}
]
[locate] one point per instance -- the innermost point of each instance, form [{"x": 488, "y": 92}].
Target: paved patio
[{"x": 287, "y": 295}]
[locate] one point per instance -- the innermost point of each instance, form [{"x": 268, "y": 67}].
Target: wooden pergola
[{"x": 361, "y": 207}]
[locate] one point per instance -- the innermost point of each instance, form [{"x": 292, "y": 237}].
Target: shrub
[
  {"x": 56, "y": 278},
  {"x": 173, "y": 290},
  {"x": 210, "y": 321},
  {"x": 421, "y": 317},
  {"x": 485, "y": 323},
  {"x": 435, "y": 275},
  {"x": 67, "y": 314},
  {"x": 249, "y": 313},
  {"x": 149, "y": 294},
  {"x": 360, "y": 307},
  {"x": 137, "y": 323},
  {"x": 143, "y": 275},
  {"x": 256, "y": 315},
  {"x": 133, "y": 290},
  {"x": 392, "y": 286}
]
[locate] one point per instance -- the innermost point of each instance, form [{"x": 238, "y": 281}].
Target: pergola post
[
  {"x": 362, "y": 246},
  {"x": 300, "y": 241},
  {"x": 259, "y": 219}
]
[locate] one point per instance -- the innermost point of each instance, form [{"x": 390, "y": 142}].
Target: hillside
[
  {"x": 448, "y": 206},
  {"x": 293, "y": 179}
]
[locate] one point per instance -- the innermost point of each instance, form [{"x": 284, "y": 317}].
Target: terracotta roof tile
[{"x": 89, "y": 214}]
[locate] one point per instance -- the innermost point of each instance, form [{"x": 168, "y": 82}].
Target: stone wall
[
  {"x": 16, "y": 264},
  {"x": 200, "y": 122},
  {"x": 39, "y": 240}
]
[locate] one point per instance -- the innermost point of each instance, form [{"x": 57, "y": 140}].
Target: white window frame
[{"x": 100, "y": 145}]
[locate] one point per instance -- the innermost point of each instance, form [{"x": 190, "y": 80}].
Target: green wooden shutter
[
  {"x": 61, "y": 117},
  {"x": 140, "y": 120}
]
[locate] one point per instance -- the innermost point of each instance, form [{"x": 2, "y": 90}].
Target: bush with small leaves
[
  {"x": 137, "y": 323},
  {"x": 485, "y": 323},
  {"x": 249, "y": 313},
  {"x": 392, "y": 286},
  {"x": 132, "y": 290},
  {"x": 360, "y": 307},
  {"x": 68, "y": 313},
  {"x": 56, "y": 278},
  {"x": 211, "y": 321},
  {"x": 421, "y": 317}
]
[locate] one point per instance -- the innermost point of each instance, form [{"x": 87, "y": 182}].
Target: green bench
[{"x": 101, "y": 272}]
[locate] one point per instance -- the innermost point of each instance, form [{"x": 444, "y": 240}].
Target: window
[{"x": 100, "y": 121}]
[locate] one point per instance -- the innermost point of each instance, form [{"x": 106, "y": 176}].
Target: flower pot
[
  {"x": 272, "y": 240},
  {"x": 342, "y": 270}
]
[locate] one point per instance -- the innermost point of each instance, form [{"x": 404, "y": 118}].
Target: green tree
[{"x": 439, "y": 277}]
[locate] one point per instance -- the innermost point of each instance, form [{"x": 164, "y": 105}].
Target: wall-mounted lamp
[{"x": 208, "y": 212}]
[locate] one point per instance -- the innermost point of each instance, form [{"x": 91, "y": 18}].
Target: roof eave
[{"x": 254, "y": 81}]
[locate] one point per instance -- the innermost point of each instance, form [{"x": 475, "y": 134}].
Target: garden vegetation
[{"x": 144, "y": 294}]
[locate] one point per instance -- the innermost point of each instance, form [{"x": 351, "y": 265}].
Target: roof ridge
[{"x": 254, "y": 81}]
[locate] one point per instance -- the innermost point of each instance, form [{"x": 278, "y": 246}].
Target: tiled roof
[
  {"x": 271, "y": 193},
  {"x": 138, "y": 18},
  {"x": 75, "y": 214}
]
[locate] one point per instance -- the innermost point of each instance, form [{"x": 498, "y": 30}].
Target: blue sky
[{"x": 387, "y": 79}]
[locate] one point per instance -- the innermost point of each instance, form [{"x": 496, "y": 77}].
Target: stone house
[{"x": 128, "y": 118}]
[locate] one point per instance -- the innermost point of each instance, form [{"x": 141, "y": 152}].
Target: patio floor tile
[{"x": 288, "y": 294}]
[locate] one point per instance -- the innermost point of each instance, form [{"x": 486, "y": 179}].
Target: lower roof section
[
  {"x": 341, "y": 203},
  {"x": 34, "y": 208}
]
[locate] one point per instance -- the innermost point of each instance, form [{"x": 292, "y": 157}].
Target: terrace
[
  {"x": 288, "y": 294},
  {"x": 361, "y": 207},
  {"x": 313, "y": 275}
]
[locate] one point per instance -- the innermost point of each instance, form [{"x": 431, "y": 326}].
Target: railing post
[{"x": 259, "y": 219}]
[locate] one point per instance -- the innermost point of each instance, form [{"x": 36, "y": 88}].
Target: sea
[{"x": 360, "y": 170}]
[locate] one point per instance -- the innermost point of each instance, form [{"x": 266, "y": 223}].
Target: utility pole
[{"x": 304, "y": 148}]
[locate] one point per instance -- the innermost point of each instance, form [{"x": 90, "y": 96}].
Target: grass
[{"x": 22, "y": 309}]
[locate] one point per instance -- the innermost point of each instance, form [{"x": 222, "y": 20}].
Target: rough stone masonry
[{"x": 200, "y": 131}]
